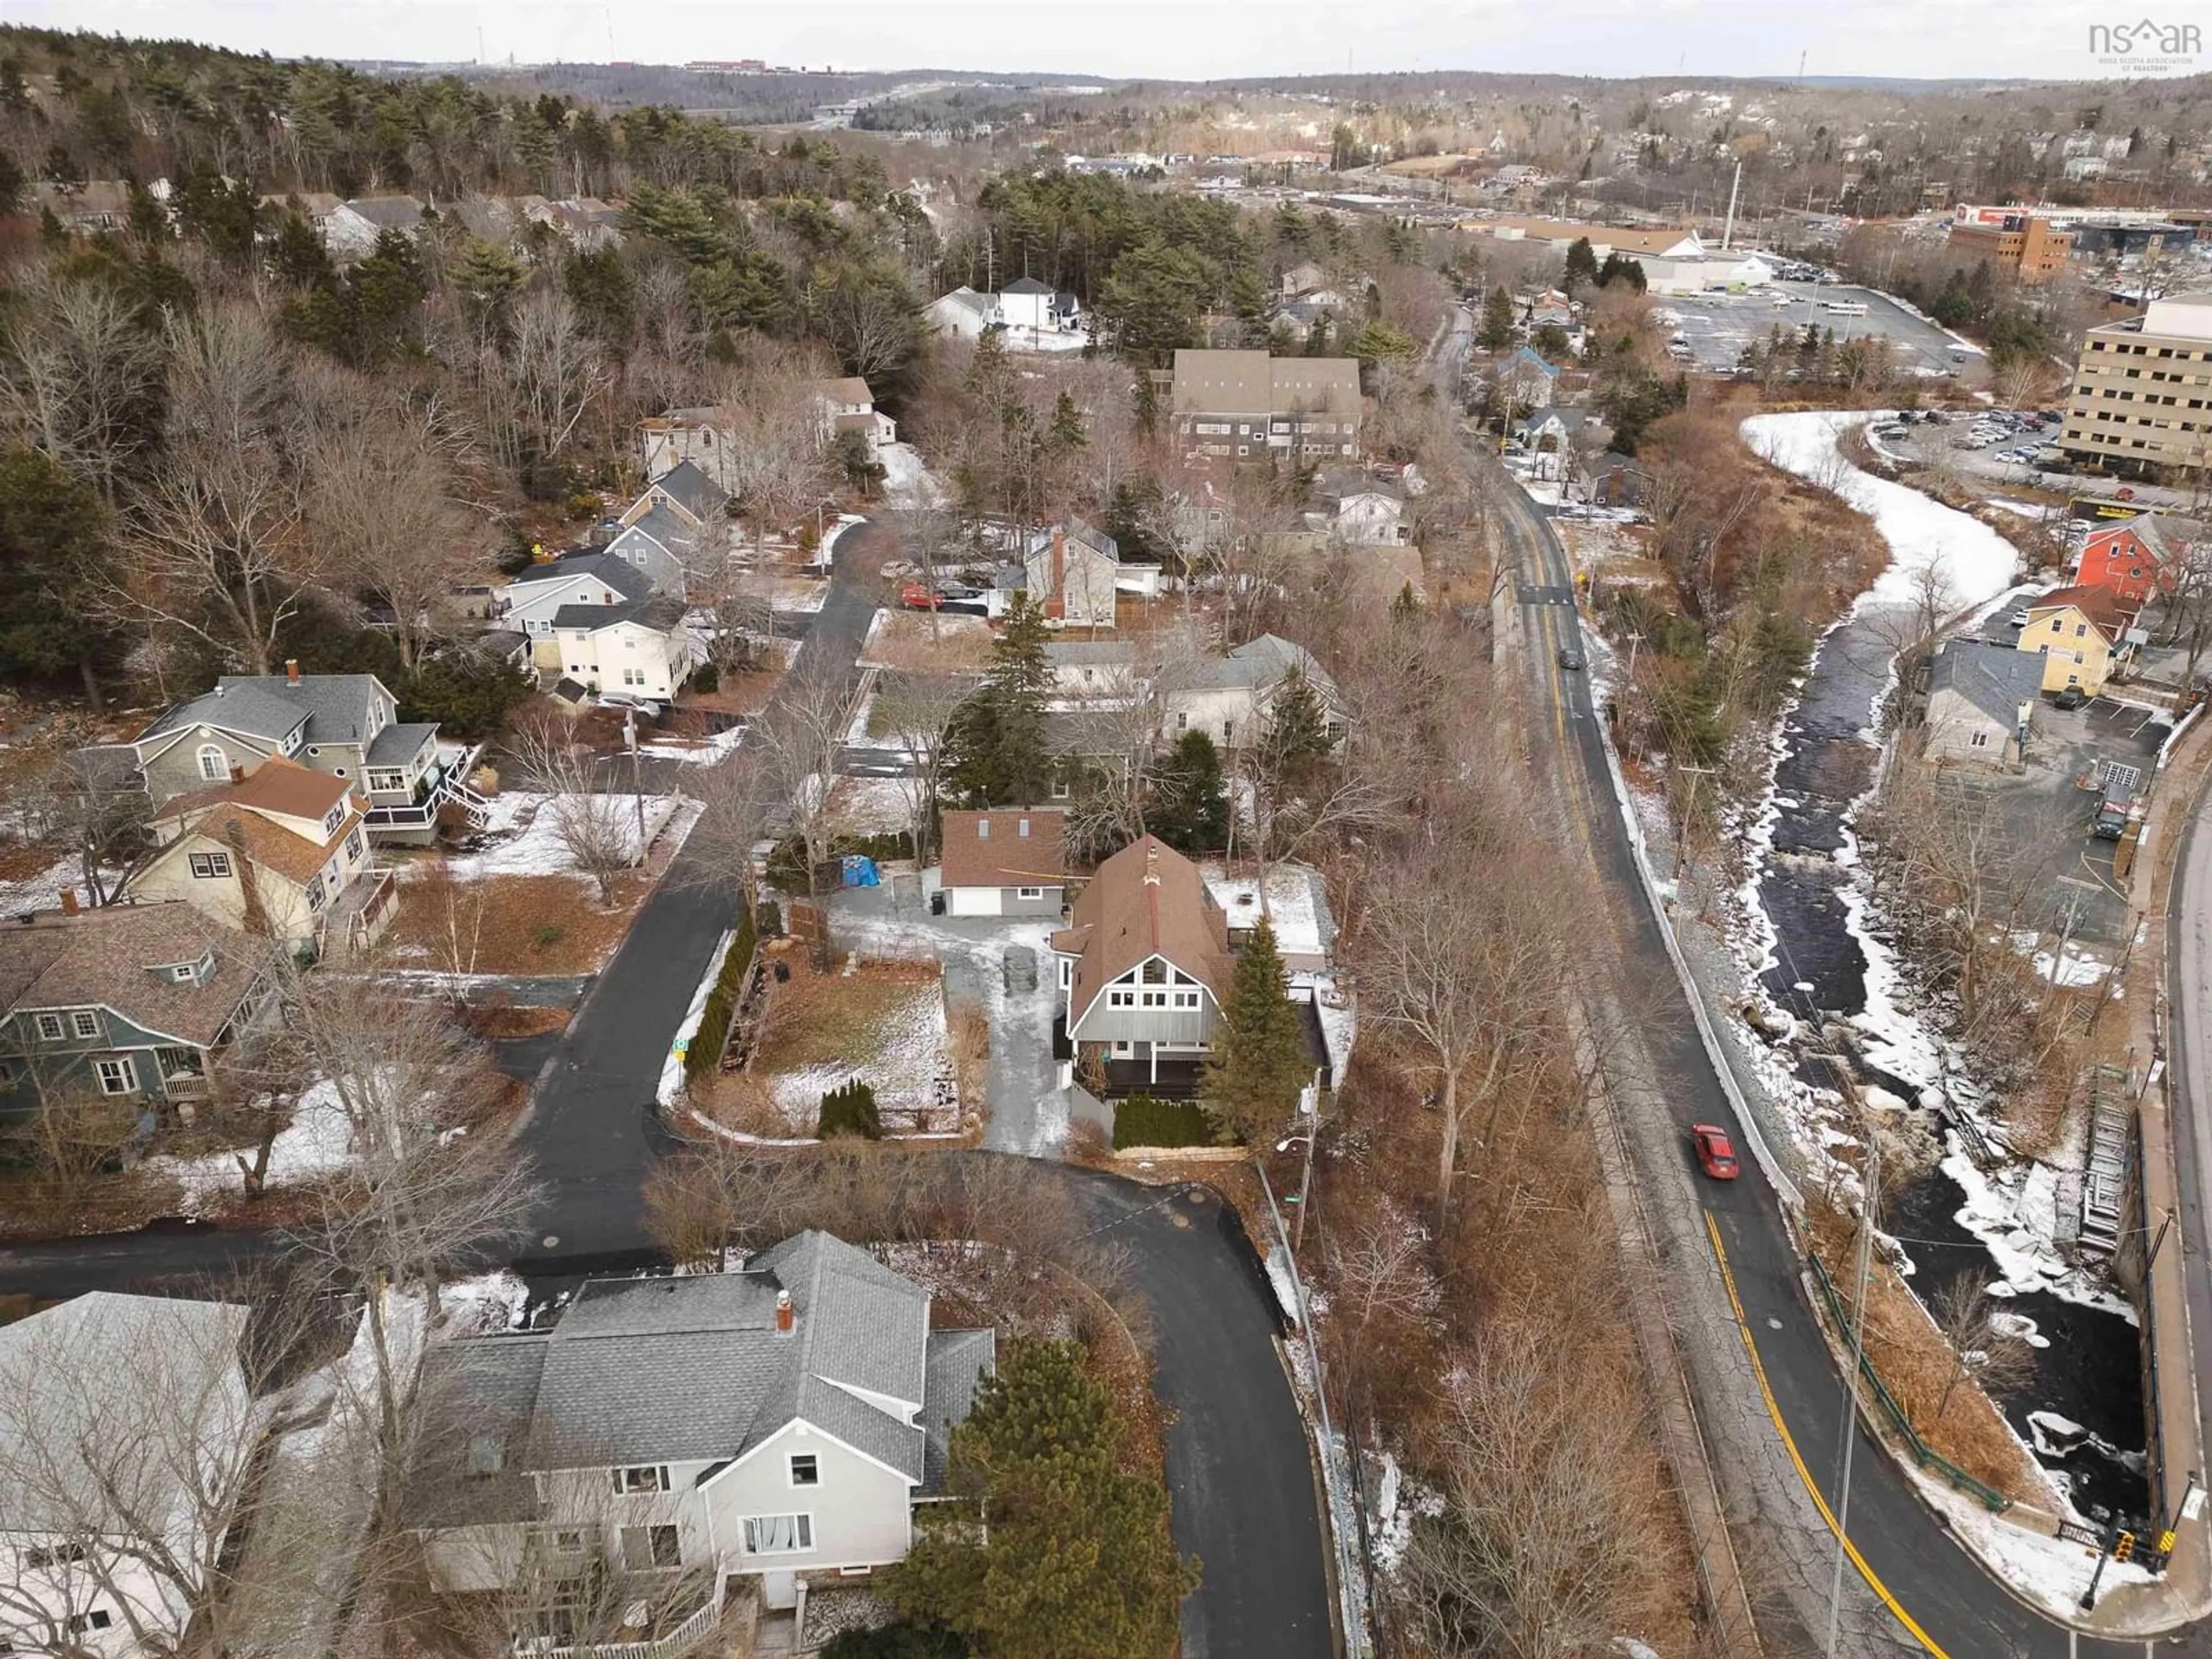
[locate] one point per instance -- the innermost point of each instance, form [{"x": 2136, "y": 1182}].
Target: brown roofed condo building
[
  {"x": 1247, "y": 404},
  {"x": 2143, "y": 389}
]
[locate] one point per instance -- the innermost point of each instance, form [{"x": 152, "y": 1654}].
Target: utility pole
[
  {"x": 1689, "y": 812},
  {"x": 1735, "y": 187},
  {"x": 1871, "y": 1183},
  {"x": 637, "y": 783}
]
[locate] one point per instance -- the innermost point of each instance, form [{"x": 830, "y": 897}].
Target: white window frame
[
  {"x": 1029, "y": 892},
  {"x": 632, "y": 1481},
  {"x": 125, "y": 1071},
  {"x": 210, "y": 867},
  {"x": 84, "y": 1023},
  {"x": 221, "y": 773},
  {"x": 802, "y": 1532},
  {"x": 51, "y": 1029},
  {"x": 814, "y": 1461}
]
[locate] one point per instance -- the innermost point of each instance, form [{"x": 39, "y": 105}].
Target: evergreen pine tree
[
  {"x": 1495, "y": 332},
  {"x": 1581, "y": 264},
  {"x": 1066, "y": 434},
  {"x": 995, "y": 752},
  {"x": 1258, "y": 1063},
  {"x": 1076, "y": 1562},
  {"x": 1187, "y": 804}
]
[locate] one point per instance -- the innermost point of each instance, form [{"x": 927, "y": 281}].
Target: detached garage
[{"x": 1006, "y": 863}]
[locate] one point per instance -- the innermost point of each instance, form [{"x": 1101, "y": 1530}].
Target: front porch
[
  {"x": 410, "y": 818},
  {"x": 1118, "y": 1070},
  {"x": 604, "y": 1614}
]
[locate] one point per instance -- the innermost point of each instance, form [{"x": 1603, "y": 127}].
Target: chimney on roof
[
  {"x": 1152, "y": 863},
  {"x": 237, "y": 773},
  {"x": 784, "y": 1316},
  {"x": 291, "y": 670},
  {"x": 1059, "y": 561},
  {"x": 69, "y": 902}
]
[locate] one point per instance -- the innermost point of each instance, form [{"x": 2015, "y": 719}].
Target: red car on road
[{"x": 1715, "y": 1153}]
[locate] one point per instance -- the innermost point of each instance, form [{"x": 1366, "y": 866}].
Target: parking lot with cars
[
  {"x": 1716, "y": 328},
  {"x": 2077, "y": 758}
]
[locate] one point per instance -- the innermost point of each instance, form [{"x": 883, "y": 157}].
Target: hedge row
[
  {"x": 706, "y": 1050},
  {"x": 1145, "y": 1120},
  {"x": 787, "y": 864}
]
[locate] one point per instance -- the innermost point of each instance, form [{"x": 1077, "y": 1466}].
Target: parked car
[
  {"x": 2018, "y": 619},
  {"x": 1715, "y": 1152},
  {"x": 2070, "y": 697},
  {"x": 2110, "y": 822}
]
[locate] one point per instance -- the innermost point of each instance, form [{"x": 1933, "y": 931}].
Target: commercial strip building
[{"x": 2142, "y": 390}]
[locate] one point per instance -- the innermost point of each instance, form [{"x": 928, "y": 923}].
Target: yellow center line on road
[{"x": 1766, "y": 1393}]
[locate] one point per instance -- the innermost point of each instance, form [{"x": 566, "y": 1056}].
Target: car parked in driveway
[
  {"x": 2070, "y": 697},
  {"x": 1716, "y": 1151}
]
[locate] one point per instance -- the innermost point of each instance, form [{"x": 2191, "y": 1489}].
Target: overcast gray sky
[{"x": 1182, "y": 40}]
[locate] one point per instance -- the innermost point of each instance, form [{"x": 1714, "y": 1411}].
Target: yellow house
[{"x": 2080, "y": 634}]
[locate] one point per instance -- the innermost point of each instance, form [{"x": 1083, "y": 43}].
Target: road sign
[{"x": 2166, "y": 1541}]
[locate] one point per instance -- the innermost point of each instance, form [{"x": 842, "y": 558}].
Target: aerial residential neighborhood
[{"x": 1236, "y": 835}]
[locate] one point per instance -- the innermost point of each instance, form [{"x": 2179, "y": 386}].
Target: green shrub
[
  {"x": 850, "y": 1109},
  {"x": 706, "y": 678},
  {"x": 547, "y": 934},
  {"x": 706, "y": 1050},
  {"x": 1146, "y": 1121},
  {"x": 786, "y": 865},
  {"x": 895, "y": 1642}
]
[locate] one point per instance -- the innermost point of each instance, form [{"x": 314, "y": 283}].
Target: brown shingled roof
[
  {"x": 101, "y": 956},
  {"x": 266, "y": 844},
  {"x": 1147, "y": 900},
  {"x": 1004, "y": 857},
  {"x": 2099, "y": 605},
  {"x": 277, "y": 784}
]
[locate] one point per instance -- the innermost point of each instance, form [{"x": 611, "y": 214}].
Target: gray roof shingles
[
  {"x": 627, "y": 580},
  {"x": 699, "y": 494},
  {"x": 694, "y": 1370},
  {"x": 337, "y": 705},
  {"x": 244, "y": 710},
  {"x": 1994, "y": 678}
]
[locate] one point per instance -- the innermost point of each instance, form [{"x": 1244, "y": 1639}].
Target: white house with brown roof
[
  {"x": 279, "y": 852},
  {"x": 1246, "y": 404},
  {"x": 1006, "y": 863},
  {"x": 847, "y": 405},
  {"x": 1144, "y": 964}
]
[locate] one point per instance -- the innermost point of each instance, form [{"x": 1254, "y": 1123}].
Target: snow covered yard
[
  {"x": 1295, "y": 907},
  {"x": 883, "y": 1025},
  {"x": 871, "y": 806},
  {"x": 525, "y": 836},
  {"x": 39, "y": 887},
  {"x": 318, "y": 1141},
  {"x": 907, "y": 481},
  {"x": 709, "y": 751}
]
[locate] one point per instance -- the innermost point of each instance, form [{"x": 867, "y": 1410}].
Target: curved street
[
  {"x": 1911, "y": 1587},
  {"x": 1240, "y": 1473}
]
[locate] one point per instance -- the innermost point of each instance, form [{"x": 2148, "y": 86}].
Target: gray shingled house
[
  {"x": 1981, "y": 702},
  {"x": 779, "y": 1423},
  {"x": 346, "y": 724}
]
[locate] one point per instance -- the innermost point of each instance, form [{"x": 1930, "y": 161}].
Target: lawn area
[
  {"x": 884, "y": 1024},
  {"x": 903, "y": 639},
  {"x": 508, "y": 925}
]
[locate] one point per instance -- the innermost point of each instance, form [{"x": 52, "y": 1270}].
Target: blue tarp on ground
[{"x": 859, "y": 871}]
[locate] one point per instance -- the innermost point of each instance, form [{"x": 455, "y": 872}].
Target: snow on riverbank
[
  {"x": 2012, "y": 1210},
  {"x": 1975, "y": 562}
]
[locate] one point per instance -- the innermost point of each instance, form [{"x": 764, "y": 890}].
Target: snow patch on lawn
[
  {"x": 709, "y": 751},
  {"x": 317, "y": 1141},
  {"x": 907, "y": 481},
  {"x": 524, "y": 835},
  {"x": 43, "y": 891}
]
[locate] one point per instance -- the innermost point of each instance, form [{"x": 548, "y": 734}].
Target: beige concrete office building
[{"x": 2142, "y": 392}]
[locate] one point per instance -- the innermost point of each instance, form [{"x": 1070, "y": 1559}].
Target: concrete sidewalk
[{"x": 2177, "y": 1298}]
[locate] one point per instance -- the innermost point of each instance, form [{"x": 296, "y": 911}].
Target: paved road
[
  {"x": 2189, "y": 946},
  {"x": 592, "y": 1132},
  {"x": 1913, "y": 1571}
]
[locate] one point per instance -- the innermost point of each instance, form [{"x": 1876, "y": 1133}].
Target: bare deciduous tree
[
  {"x": 597, "y": 830},
  {"x": 917, "y": 710},
  {"x": 78, "y": 377},
  {"x": 1462, "y": 950},
  {"x": 794, "y": 747},
  {"x": 1985, "y": 1343},
  {"x": 1547, "y": 1488}
]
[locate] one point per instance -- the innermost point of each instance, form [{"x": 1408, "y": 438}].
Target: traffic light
[{"x": 2124, "y": 1547}]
